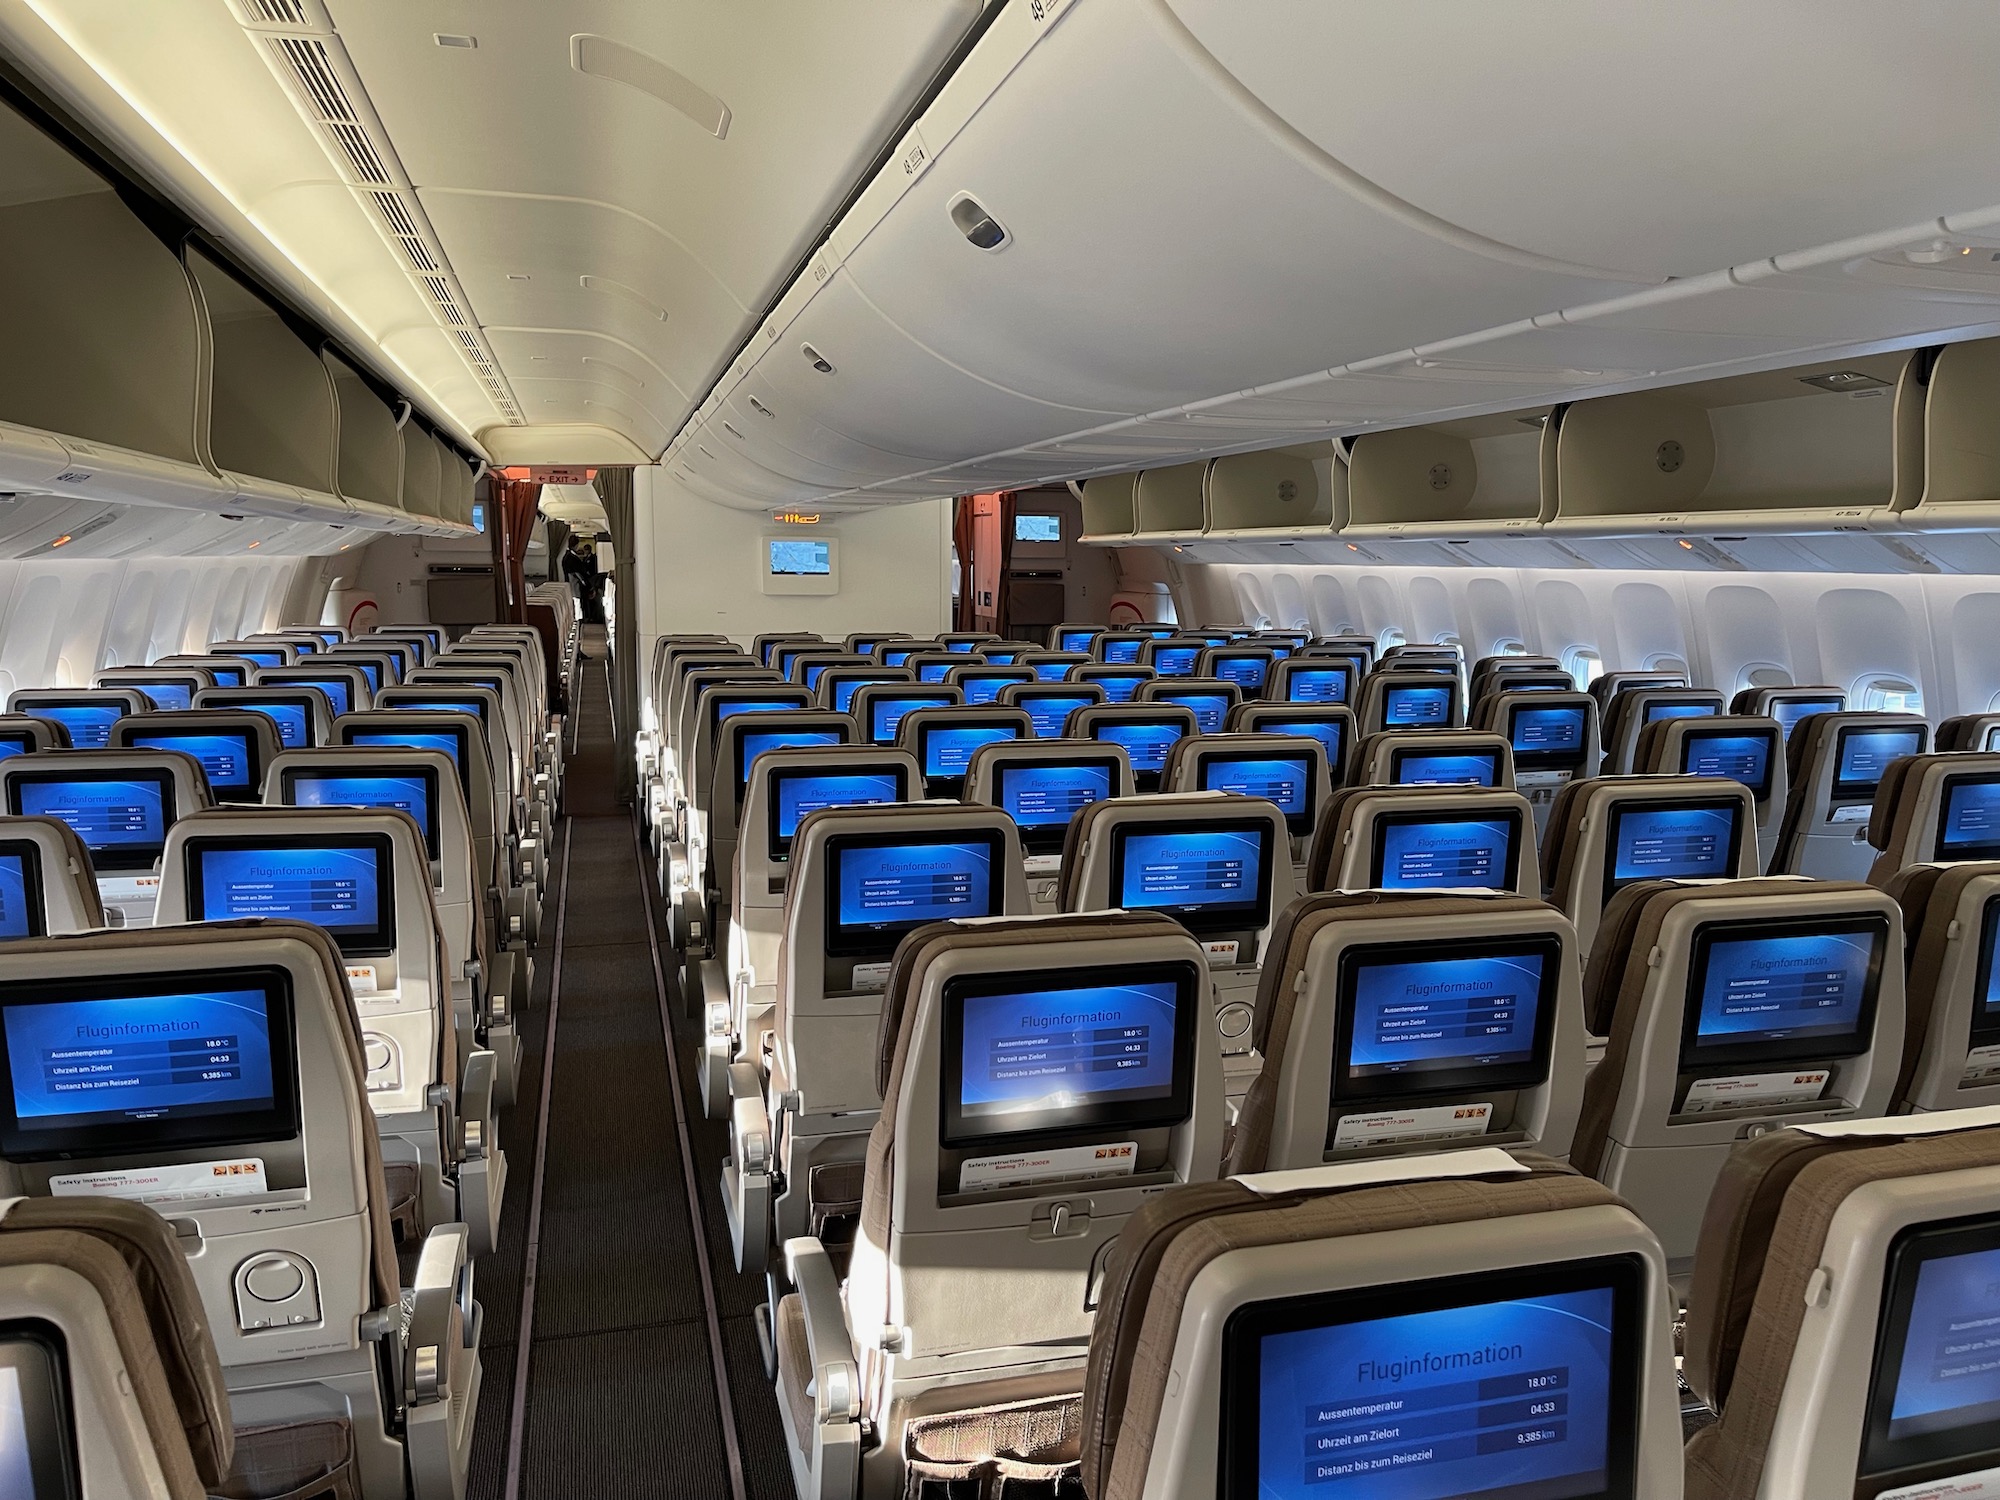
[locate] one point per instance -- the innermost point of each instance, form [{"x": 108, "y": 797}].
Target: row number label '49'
[{"x": 1044, "y": 13}]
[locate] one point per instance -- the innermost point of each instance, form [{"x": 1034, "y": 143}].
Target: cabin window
[
  {"x": 1390, "y": 637},
  {"x": 1510, "y": 647},
  {"x": 1664, "y": 661},
  {"x": 1890, "y": 695},
  {"x": 1583, "y": 665},
  {"x": 1766, "y": 674}
]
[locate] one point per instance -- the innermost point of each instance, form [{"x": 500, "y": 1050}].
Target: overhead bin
[
  {"x": 1477, "y": 477},
  {"x": 1285, "y": 491},
  {"x": 455, "y": 487},
  {"x": 1168, "y": 503},
  {"x": 1109, "y": 506},
  {"x": 421, "y": 472},
  {"x": 1835, "y": 447},
  {"x": 1960, "y": 415},
  {"x": 369, "y": 470}
]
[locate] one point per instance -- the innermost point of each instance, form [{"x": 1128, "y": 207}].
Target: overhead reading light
[
  {"x": 978, "y": 226},
  {"x": 1845, "y": 380},
  {"x": 816, "y": 359},
  {"x": 760, "y": 408}
]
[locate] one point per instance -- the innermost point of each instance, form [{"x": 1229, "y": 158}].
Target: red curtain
[{"x": 514, "y": 502}]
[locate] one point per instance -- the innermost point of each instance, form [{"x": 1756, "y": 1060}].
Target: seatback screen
[
  {"x": 1969, "y": 822},
  {"x": 163, "y": 694},
  {"x": 16, "y": 744},
  {"x": 1423, "y": 851},
  {"x": 752, "y": 743},
  {"x": 1863, "y": 753},
  {"x": 1516, "y": 1385},
  {"x": 1986, "y": 984},
  {"x": 1122, "y": 652},
  {"x": 1414, "y": 767},
  {"x": 1210, "y": 876},
  {"x": 122, "y": 816},
  {"x": 845, "y": 688},
  {"x": 1048, "y": 671},
  {"x": 410, "y": 789},
  {"x": 932, "y": 671},
  {"x": 1782, "y": 991},
  {"x": 724, "y": 709},
  {"x": 1934, "y": 1395},
  {"x": 226, "y": 675},
  {"x": 885, "y": 713},
  {"x": 1655, "y": 712},
  {"x": 292, "y": 718},
  {"x": 339, "y": 691},
  {"x": 1076, "y": 640},
  {"x": 1548, "y": 739},
  {"x": 89, "y": 724},
  {"x": 117, "y": 1065},
  {"x": 371, "y": 673},
  {"x": 1174, "y": 661},
  {"x": 881, "y": 886},
  {"x": 1049, "y": 712},
  {"x": 1146, "y": 745},
  {"x": 1329, "y": 732},
  {"x": 1119, "y": 688},
  {"x": 1423, "y": 1017},
  {"x": 1109, "y": 1049},
  {"x": 796, "y": 793},
  {"x": 1313, "y": 684},
  {"x": 226, "y": 759},
  {"x": 450, "y": 741},
  {"x": 37, "y": 1435},
  {"x": 945, "y": 750},
  {"x": 345, "y": 884},
  {"x": 1788, "y": 711},
  {"x": 456, "y": 703},
  {"x": 1283, "y": 779},
  {"x": 1247, "y": 672},
  {"x": 1744, "y": 757},
  {"x": 1041, "y": 796},
  {"x": 1209, "y": 709},
  {"x": 262, "y": 656},
  {"x": 1672, "y": 841},
  {"x": 21, "y": 890},
  {"x": 1411, "y": 706}
]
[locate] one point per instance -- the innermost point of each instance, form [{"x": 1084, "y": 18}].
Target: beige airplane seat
[
  {"x": 1321, "y": 681},
  {"x": 1614, "y": 831},
  {"x": 1217, "y": 863},
  {"x": 1732, "y": 1007},
  {"x": 522, "y": 695},
  {"x": 122, "y": 804},
  {"x": 712, "y": 668},
  {"x": 1465, "y": 1324},
  {"x": 26, "y": 734},
  {"x": 115, "y": 1391},
  {"x": 344, "y": 1368},
  {"x": 227, "y": 671},
  {"x": 303, "y": 716},
  {"x": 1746, "y": 748},
  {"x": 1608, "y": 685},
  {"x": 741, "y": 739},
  {"x": 1393, "y": 698},
  {"x": 483, "y": 690},
  {"x": 1788, "y": 705},
  {"x": 1147, "y": 731},
  {"x": 1042, "y": 784},
  {"x": 989, "y": 1200},
  {"x": 171, "y": 687},
  {"x": 1288, "y": 771},
  {"x": 1396, "y": 1023},
  {"x": 1834, "y": 764},
  {"x": 1968, "y": 732},
  {"x": 865, "y": 877},
  {"x": 1552, "y": 737},
  {"x": 1951, "y": 1037},
  {"x": 261, "y": 650},
  {"x": 943, "y": 740},
  {"x": 1406, "y": 838},
  {"x": 1434, "y": 757},
  {"x": 1839, "y": 1319},
  {"x": 654, "y": 741},
  {"x": 1935, "y": 808},
  {"x": 1635, "y": 709},
  {"x": 364, "y": 876},
  {"x": 232, "y": 745},
  {"x": 47, "y": 885},
  {"x": 878, "y": 709},
  {"x": 737, "y": 988}
]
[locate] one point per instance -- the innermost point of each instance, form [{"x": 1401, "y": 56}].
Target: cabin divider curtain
[
  {"x": 614, "y": 488},
  {"x": 514, "y": 502},
  {"x": 961, "y": 540}
]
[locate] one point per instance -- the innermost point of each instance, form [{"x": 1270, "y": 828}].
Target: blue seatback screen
[
  {"x": 1548, "y": 736},
  {"x": 885, "y": 714},
  {"x": 1222, "y": 873},
  {"x": 410, "y": 794},
  {"x": 965, "y": 647},
  {"x": 262, "y": 657},
  {"x": 895, "y": 656},
  {"x": 984, "y": 689},
  {"x": 1286, "y": 781},
  {"x": 1655, "y": 712},
  {"x": 371, "y": 674},
  {"x": 1122, "y": 651},
  {"x": 1416, "y": 707},
  {"x": 845, "y": 689},
  {"x": 89, "y": 724},
  {"x": 883, "y": 888},
  {"x": 164, "y": 695},
  {"x": 411, "y": 739},
  {"x": 1673, "y": 843},
  {"x": 1446, "y": 768},
  {"x": 1739, "y": 757},
  {"x": 1788, "y": 711},
  {"x": 1935, "y": 1396},
  {"x": 1317, "y": 684},
  {"x": 1247, "y": 672},
  {"x": 1075, "y": 640},
  {"x": 1175, "y": 661},
  {"x": 1415, "y": 1016},
  {"x": 1120, "y": 689},
  {"x": 1864, "y": 754},
  {"x": 1969, "y": 824},
  {"x": 15, "y": 744},
  {"x": 1210, "y": 709},
  {"x": 1808, "y": 991},
  {"x": 1326, "y": 731},
  {"x": 225, "y": 758},
  {"x": 18, "y": 901},
  {"x": 1473, "y": 849},
  {"x": 1052, "y": 671},
  {"x": 462, "y": 704},
  {"x": 1047, "y": 794},
  {"x": 947, "y": 749},
  {"x": 1146, "y": 745},
  {"x": 335, "y": 888},
  {"x": 756, "y": 741},
  {"x": 729, "y": 708},
  {"x": 932, "y": 671},
  {"x": 1049, "y": 714},
  {"x": 807, "y": 792},
  {"x": 110, "y": 816},
  {"x": 226, "y": 676},
  {"x": 293, "y": 721}
]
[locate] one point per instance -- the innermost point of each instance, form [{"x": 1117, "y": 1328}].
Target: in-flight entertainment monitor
[
  {"x": 113, "y": 1065},
  {"x": 1120, "y": 651},
  {"x": 844, "y": 689},
  {"x": 435, "y": 701},
  {"x": 752, "y": 743},
  {"x": 451, "y": 739},
  {"x": 882, "y": 885},
  {"x": 1029, "y": 528},
  {"x": 1969, "y": 820},
  {"x": 1328, "y": 729},
  {"x": 1782, "y": 992},
  {"x": 263, "y": 656},
  {"x": 886, "y": 710},
  {"x": 1862, "y": 752},
  {"x": 1412, "y": 765},
  {"x": 1320, "y": 682},
  {"x": 1514, "y": 1384},
  {"x": 1210, "y": 709},
  {"x": 16, "y": 742},
  {"x": 1416, "y": 706},
  {"x": 1740, "y": 755},
  {"x": 38, "y": 1459},
  {"x": 1174, "y": 661},
  {"x": 1047, "y": 671},
  {"x": 163, "y": 693},
  {"x": 1284, "y": 779},
  {"x": 1108, "y": 1049},
  {"x": 945, "y": 749},
  {"x": 228, "y": 758},
  {"x": 89, "y": 723},
  {"x": 1655, "y": 712},
  {"x": 796, "y": 792},
  {"x": 1119, "y": 686},
  {"x": 1077, "y": 640},
  {"x": 121, "y": 816},
  {"x": 1247, "y": 671},
  {"x": 411, "y": 789},
  {"x": 343, "y": 882},
  {"x": 1788, "y": 711},
  {"x": 1146, "y": 742},
  {"x": 291, "y": 714},
  {"x": 1548, "y": 739},
  {"x": 21, "y": 913},
  {"x": 1434, "y": 1017},
  {"x": 1041, "y": 796},
  {"x": 1049, "y": 712},
  {"x": 984, "y": 687},
  {"x": 796, "y": 558},
  {"x": 1672, "y": 841},
  {"x": 1986, "y": 984},
  {"x": 1469, "y": 847},
  {"x": 1211, "y": 876}
]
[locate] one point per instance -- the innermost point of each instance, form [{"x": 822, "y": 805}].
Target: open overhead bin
[
  {"x": 1960, "y": 413},
  {"x": 1279, "y": 492},
  {"x": 1109, "y": 506},
  {"x": 1480, "y": 476},
  {"x": 1833, "y": 447},
  {"x": 1168, "y": 504}
]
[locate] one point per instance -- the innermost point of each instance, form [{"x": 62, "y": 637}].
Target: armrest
[
  {"x": 749, "y": 1120},
  {"x": 435, "y": 1316},
  {"x": 475, "y": 1106},
  {"x": 836, "y": 1371}
]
